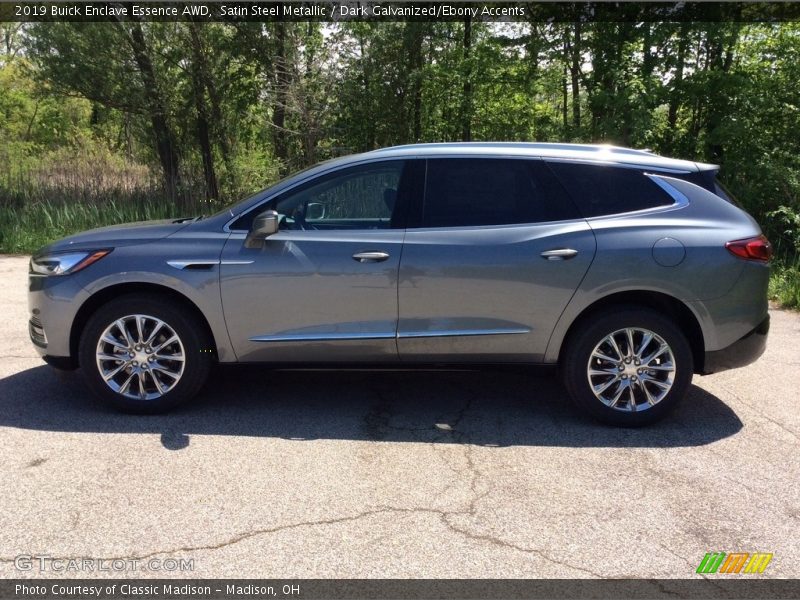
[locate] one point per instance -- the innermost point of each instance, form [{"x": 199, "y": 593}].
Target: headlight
[{"x": 65, "y": 263}]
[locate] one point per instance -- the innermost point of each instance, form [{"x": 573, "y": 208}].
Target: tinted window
[
  {"x": 362, "y": 197},
  {"x": 600, "y": 190},
  {"x": 463, "y": 192}
]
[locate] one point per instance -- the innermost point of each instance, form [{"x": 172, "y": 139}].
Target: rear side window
[
  {"x": 601, "y": 190},
  {"x": 464, "y": 192}
]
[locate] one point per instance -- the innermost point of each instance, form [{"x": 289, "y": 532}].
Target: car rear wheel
[
  {"x": 627, "y": 366},
  {"x": 141, "y": 353}
]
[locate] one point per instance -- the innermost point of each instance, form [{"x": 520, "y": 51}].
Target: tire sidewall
[
  {"x": 582, "y": 344},
  {"x": 195, "y": 346}
]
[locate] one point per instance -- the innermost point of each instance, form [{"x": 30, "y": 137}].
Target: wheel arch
[
  {"x": 679, "y": 312},
  {"x": 106, "y": 294}
]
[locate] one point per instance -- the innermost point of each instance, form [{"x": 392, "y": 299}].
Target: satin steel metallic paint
[{"x": 303, "y": 297}]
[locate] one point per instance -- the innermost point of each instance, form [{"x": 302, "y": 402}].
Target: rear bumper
[{"x": 742, "y": 352}]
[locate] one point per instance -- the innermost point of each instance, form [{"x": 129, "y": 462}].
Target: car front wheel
[
  {"x": 628, "y": 366},
  {"x": 141, "y": 353}
]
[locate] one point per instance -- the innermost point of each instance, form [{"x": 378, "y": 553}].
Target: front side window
[
  {"x": 360, "y": 197},
  {"x": 464, "y": 192}
]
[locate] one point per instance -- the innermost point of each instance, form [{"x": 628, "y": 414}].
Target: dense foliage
[{"x": 183, "y": 114}]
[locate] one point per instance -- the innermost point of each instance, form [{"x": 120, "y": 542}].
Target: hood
[{"x": 112, "y": 236}]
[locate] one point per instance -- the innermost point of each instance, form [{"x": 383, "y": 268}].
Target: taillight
[{"x": 756, "y": 248}]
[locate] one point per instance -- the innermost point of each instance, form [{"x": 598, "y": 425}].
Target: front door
[{"x": 324, "y": 287}]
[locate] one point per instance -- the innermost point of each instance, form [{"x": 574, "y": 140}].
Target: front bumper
[
  {"x": 52, "y": 304},
  {"x": 744, "y": 351},
  {"x": 39, "y": 339}
]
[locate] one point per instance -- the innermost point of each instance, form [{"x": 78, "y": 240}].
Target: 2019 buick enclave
[{"x": 628, "y": 270}]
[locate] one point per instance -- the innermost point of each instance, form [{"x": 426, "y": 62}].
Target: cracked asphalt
[{"x": 395, "y": 474}]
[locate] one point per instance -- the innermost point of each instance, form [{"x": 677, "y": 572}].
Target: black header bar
[
  {"x": 221, "y": 11},
  {"x": 357, "y": 589}
]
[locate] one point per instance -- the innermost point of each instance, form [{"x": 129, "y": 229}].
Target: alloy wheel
[
  {"x": 631, "y": 369},
  {"x": 140, "y": 357}
]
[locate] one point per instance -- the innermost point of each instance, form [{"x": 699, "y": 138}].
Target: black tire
[
  {"x": 194, "y": 346},
  {"x": 594, "y": 330}
]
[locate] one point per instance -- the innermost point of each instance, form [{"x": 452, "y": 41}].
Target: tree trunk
[
  {"x": 201, "y": 110},
  {"x": 365, "y": 79},
  {"x": 565, "y": 93},
  {"x": 164, "y": 136},
  {"x": 721, "y": 49},
  {"x": 466, "y": 106},
  {"x": 310, "y": 117},
  {"x": 575, "y": 72},
  {"x": 217, "y": 121},
  {"x": 414, "y": 37},
  {"x": 674, "y": 99},
  {"x": 282, "y": 81}
]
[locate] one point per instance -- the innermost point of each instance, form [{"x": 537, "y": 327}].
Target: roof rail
[{"x": 531, "y": 145}]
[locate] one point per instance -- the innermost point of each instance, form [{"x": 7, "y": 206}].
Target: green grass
[
  {"x": 26, "y": 228},
  {"x": 784, "y": 284},
  {"x": 44, "y": 198}
]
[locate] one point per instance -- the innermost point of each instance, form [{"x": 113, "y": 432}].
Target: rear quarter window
[{"x": 600, "y": 190}]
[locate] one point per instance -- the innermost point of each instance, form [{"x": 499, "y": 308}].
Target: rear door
[{"x": 492, "y": 256}]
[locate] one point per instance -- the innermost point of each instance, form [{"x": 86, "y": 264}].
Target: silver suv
[{"x": 627, "y": 270}]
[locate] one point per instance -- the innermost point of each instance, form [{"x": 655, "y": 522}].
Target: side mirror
[{"x": 264, "y": 225}]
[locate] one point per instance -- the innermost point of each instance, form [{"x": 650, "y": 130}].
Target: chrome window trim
[{"x": 680, "y": 198}]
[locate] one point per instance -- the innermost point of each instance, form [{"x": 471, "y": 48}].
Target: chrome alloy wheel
[
  {"x": 140, "y": 357},
  {"x": 631, "y": 369}
]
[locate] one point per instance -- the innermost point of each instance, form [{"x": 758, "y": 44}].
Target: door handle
[
  {"x": 559, "y": 254},
  {"x": 370, "y": 257}
]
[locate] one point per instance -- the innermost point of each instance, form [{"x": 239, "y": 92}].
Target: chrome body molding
[
  {"x": 324, "y": 337},
  {"x": 461, "y": 332},
  {"x": 189, "y": 262},
  {"x": 321, "y": 337}
]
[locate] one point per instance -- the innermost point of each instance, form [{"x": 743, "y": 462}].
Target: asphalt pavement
[{"x": 392, "y": 474}]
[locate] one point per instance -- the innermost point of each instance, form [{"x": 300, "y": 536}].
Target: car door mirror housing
[{"x": 264, "y": 225}]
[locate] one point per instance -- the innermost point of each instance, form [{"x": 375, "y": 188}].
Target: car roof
[{"x": 582, "y": 152}]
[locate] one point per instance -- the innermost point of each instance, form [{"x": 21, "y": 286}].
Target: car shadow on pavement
[{"x": 487, "y": 407}]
